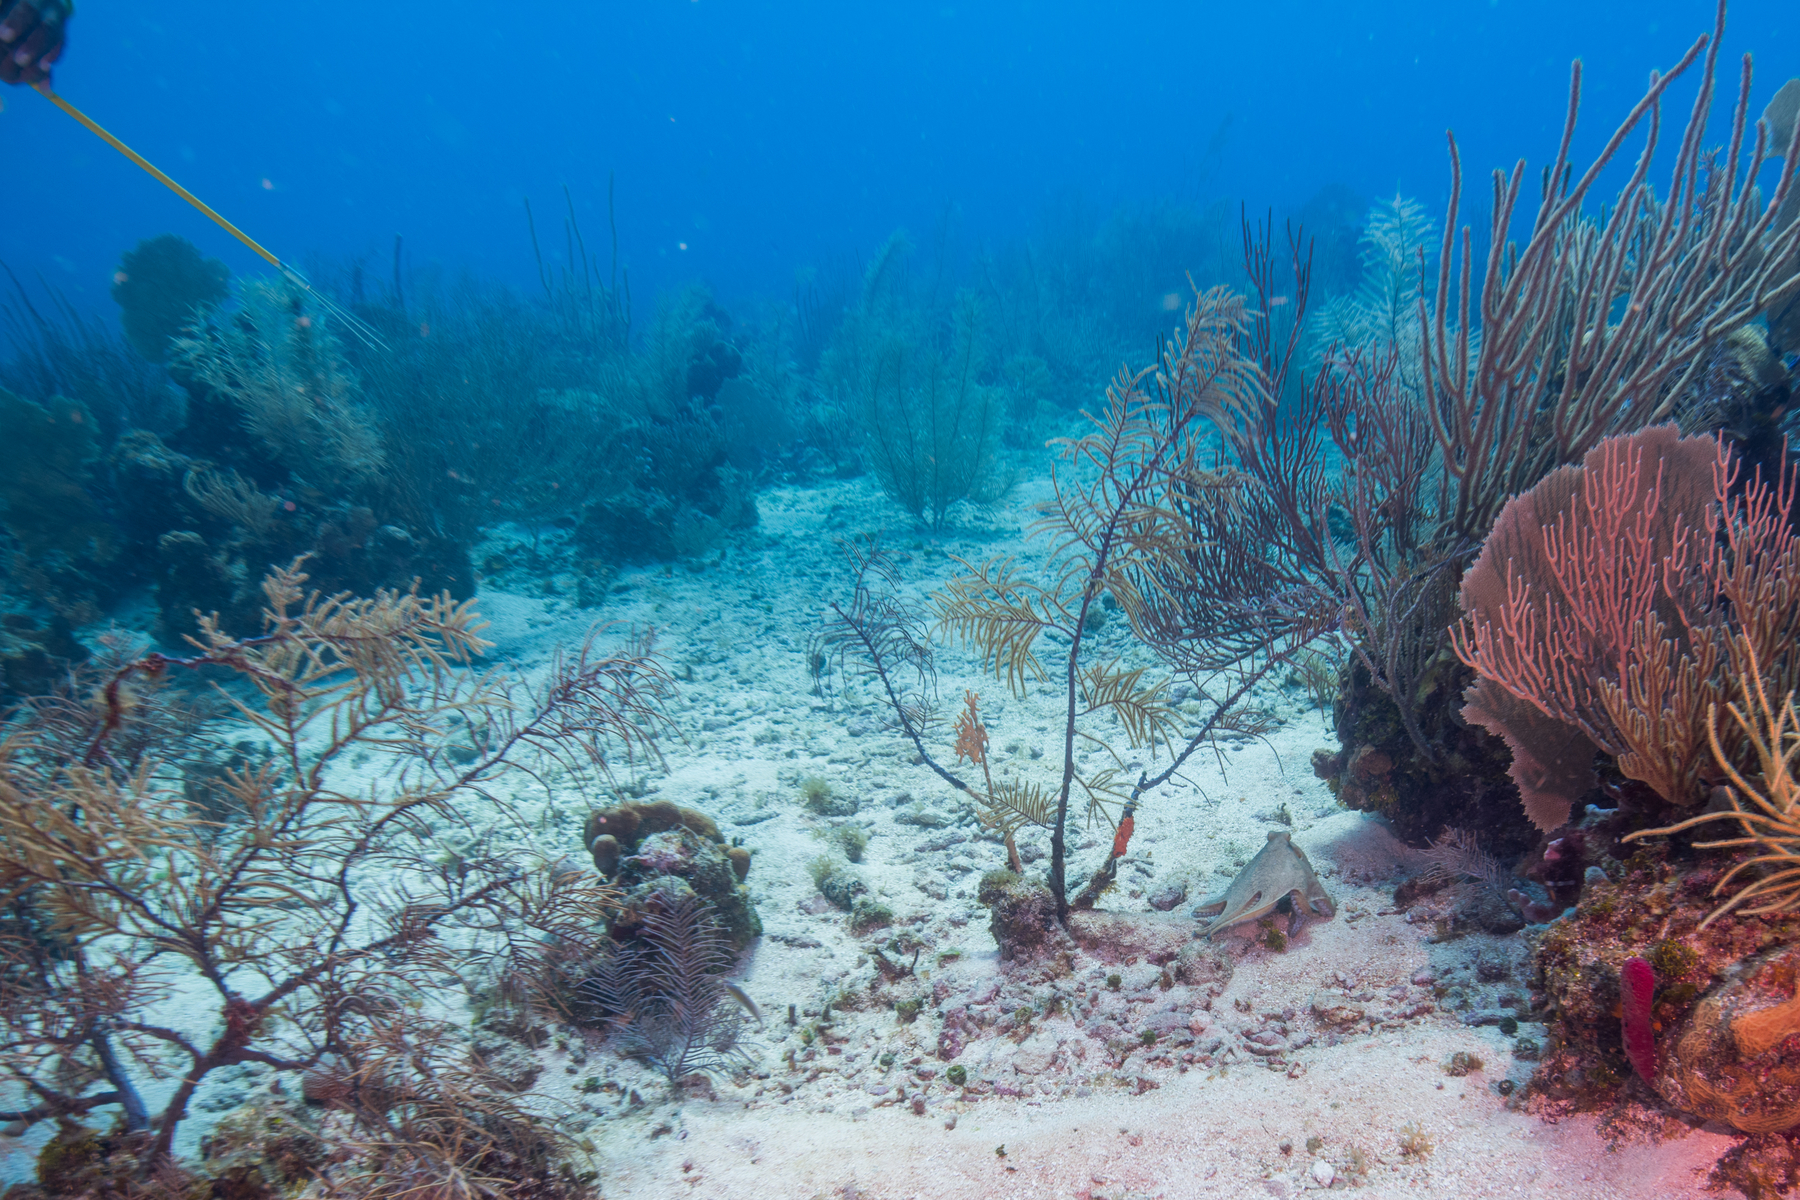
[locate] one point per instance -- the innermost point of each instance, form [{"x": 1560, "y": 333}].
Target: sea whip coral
[{"x": 1637, "y": 990}]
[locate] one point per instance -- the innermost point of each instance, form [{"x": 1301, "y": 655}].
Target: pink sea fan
[{"x": 1637, "y": 991}]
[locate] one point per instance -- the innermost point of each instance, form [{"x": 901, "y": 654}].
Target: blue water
[
  {"x": 747, "y": 141},
  {"x": 751, "y": 148}
]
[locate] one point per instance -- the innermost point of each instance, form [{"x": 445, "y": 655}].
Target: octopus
[{"x": 1279, "y": 871}]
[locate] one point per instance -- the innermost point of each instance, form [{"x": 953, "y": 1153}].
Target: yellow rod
[{"x": 154, "y": 171}]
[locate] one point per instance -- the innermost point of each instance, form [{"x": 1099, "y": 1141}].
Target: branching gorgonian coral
[
  {"x": 282, "y": 367},
  {"x": 312, "y": 910}
]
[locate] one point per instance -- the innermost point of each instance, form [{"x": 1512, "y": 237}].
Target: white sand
[
  {"x": 1087, "y": 1121},
  {"x": 1077, "y": 1131}
]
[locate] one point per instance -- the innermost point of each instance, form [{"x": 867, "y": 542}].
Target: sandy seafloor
[{"x": 1080, "y": 1107}]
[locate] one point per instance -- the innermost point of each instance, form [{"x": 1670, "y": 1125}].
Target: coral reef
[
  {"x": 64, "y": 544},
  {"x": 55, "y": 348},
  {"x": 1482, "y": 437},
  {"x": 35, "y": 653},
  {"x": 1022, "y": 914},
  {"x": 275, "y": 457},
  {"x": 1558, "y": 634},
  {"x": 1380, "y": 769},
  {"x": 1707, "y": 977},
  {"x": 1763, "y": 1167},
  {"x": 381, "y": 462},
  {"x": 290, "y": 387},
  {"x": 659, "y": 852},
  {"x": 1736, "y": 1057},
  {"x": 689, "y": 482}
]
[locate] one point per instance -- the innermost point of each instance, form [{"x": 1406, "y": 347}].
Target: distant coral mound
[{"x": 160, "y": 287}]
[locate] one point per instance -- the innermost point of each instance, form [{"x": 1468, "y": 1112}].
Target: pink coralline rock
[
  {"x": 1733, "y": 1058},
  {"x": 1034, "y": 1056},
  {"x": 1637, "y": 994},
  {"x": 1113, "y": 937}
]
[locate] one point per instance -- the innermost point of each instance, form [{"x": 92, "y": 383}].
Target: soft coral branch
[{"x": 311, "y": 902}]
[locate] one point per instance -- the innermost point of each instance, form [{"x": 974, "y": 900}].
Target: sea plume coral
[
  {"x": 306, "y": 900},
  {"x": 1456, "y": 855},
  {"x": 664, "y": 992},
  {"x": 1382, "y": 314},
  {"x": 930, "y": 423},
  {"x": 283, "y": 369}
]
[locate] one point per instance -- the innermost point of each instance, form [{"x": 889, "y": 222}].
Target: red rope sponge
[
  {"x": 1122, "y": 838},
  {"x": 1637, "y": 993}
]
